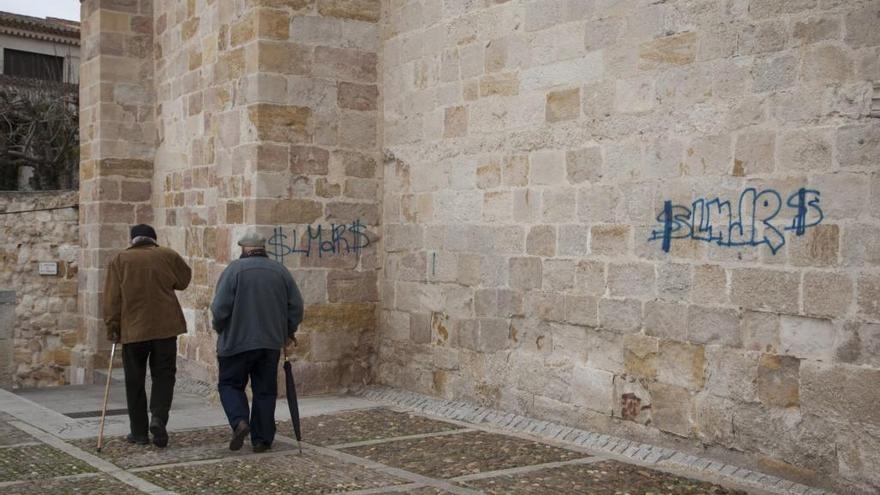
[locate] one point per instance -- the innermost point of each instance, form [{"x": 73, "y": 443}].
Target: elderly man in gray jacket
[{"x": 257, "y": 308}]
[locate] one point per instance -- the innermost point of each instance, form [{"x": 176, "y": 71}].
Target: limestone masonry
[{"x": 654, "y": 219}]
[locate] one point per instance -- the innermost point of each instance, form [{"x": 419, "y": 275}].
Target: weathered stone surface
[
  {"x": 713, "y": 326},
  {"x": 361, "y": 10},
  {"x": 671, "y": 408},
  {"x": 763, "y": 289},
  {"x": 778, "y": 384},
  {"x": 839, "y": 391},
  {"x": 827, "y": 294},
  {"x": 283, "y": 123},
  {"x": 806, "y": 337},
  {"x": 681, "y": 364},
  {"x": 679, "y": 49},
  {"x": 525, "y": 273},
  {"x": 593, "y": 389},
  {"x": 563, "y": 105}
]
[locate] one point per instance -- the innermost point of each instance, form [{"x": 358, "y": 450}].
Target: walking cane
[{"x": 106, "y": 396}]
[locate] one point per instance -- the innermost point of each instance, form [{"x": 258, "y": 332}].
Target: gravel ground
[
  {"x": 91, "y": 485},
  {"x": 369, "y": 424},
  {"x": 284, "y": 474},
  {"x": 184, "y": 446},
  {"x": 35, "y": 462},
  {"x": 601, "y": 478},
  {"x": 449, "y": 456}
]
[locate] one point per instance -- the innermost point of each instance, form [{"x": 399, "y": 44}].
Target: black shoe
[
  {"x": 241, "y": 431},
  {"x": 131, "y": 438},
  {"x": 261, "y": 447},
  {"x": 160, "y": 434}
]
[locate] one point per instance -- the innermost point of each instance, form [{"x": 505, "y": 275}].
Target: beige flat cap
[{"x": 252, "y": 239}]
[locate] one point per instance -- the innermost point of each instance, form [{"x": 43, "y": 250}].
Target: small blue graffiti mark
[
  {"x": 758, "y": 219},
  {"x": 318, "y": 240}
]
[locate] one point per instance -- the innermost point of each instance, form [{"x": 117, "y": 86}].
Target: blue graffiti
[
  {"x": 317, "y": 240},
  {"x": 759, "y": 218}
]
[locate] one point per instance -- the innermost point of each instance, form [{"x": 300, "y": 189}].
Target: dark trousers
[
  {"x": 261, "y": 367},
  {"x": 161, "y": 354}
]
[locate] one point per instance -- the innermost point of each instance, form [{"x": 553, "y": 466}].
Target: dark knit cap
[{"x": 143, "y": 230}]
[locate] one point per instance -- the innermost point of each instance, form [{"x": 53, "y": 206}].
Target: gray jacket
[{"x": 257, "y": 305}]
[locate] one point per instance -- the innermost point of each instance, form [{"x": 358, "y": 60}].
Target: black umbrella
[{"x": 292, "y": 402}]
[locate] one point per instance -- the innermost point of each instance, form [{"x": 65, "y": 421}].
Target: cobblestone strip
[
  {"x": 7, "y": 484},
  {"x": 527, "y": 469},
  {"x": 92, "y": 460},
  {"x": 619, "y": 448},
  {"x": 384, "y": 489},
  {"x": 405, "y": 437},
  {"x": 201, "y": 462},
  {"x": 22, "y": 444},
  {"x": 393, "y": 471}
]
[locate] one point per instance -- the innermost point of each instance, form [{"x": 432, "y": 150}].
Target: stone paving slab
[
  {"x": 34, "y": 462},
  {"x": 281, "y": 474},
  {"x": 363, "y": 425},
  {"x": 90, "y": 485},
  {"x": 600, "y": 478},
  {"x": 466, "y": 453},
  {"x": 183, "y": 446},
  {"x": 10, "y": 435}
]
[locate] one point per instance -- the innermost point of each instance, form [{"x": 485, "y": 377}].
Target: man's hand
[{"x": 114, "y": 336}]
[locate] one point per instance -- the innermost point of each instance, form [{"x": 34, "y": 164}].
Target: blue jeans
[{"x": 261, "y": 366}]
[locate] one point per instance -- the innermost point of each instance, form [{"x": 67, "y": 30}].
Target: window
[{"x": 32, "y": 65}]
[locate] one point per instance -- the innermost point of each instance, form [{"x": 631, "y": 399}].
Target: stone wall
[
  {"x": 266, "y": 116},
  {"x": 657, "y": 219},
  {"x": 38, "y": 313}
]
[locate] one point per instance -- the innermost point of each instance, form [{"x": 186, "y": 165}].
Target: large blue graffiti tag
[
  {"x": 760, "y": 218},
  {"x": 318, "y": 240}
]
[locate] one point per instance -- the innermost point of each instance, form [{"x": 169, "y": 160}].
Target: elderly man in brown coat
[{"x": 141, "y": 311}]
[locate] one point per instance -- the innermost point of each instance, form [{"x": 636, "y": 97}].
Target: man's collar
[{"x": 143, "y": 240}]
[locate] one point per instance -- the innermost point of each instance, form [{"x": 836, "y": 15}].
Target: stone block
[
  {"x": 547, "y": 306},
  {"x": 350, "y": 317},
  {"x": 563, "y": 105},
  {"x": 357, "y": 129},
  {"x": 345, "y": 64},
  {"x": 620, "y": 315},
  {"x": 584, "y": 165},
  {"x": 556, "y": 205},
  {"x": 806, "y": 338},
  {"x": 456, "y": 122},
  {"x": 819, "y": 246},
  {"x": 500, "y": 84},
  {"x": 630, "y": 280},
  {"x": 610, "y": 240},
  {"x": 351, "y": 286},
  {"x": 598, "y": 204},
  {"x": 732, "y": 373},
  {"x": 547, "y": 168},
  {"x": 498, "y": 206},
  {"x": 541, "y": 241},
  {"x": 515, "y": 170},
  {"x": 635, "y": 95},
  {"x": 674, "y": 281},
  {"x": 283, "y": 123},
  {"x": 581, "y": 310},
  {"x": 778, "y": 381},
  {"x": 858, "y": 343},
  {"x": 489, "y": 173},
  {"x": 760, "y": 331},
  {"x": 762, "y": 37},
  {"x": 593, "y": 389},
  {"x": 666, "y": 320},
  {"x": 716, "y": 326},
  {"x": 357, "y": 96},
  {"x": 840, "y": 392},
  {"x": 280, "y": 212},
  {"x": 574, "y": 72},
  {"x": 827, "y": 63},
  {"x": 309, "y": 160},
  {"x": 755, "y": 153},
  {"x": 590, "y": 278},
  {"x": 681, "y": 364},
  {"x": 356, "y": 164},
  {"x": 280, "y": 57},
  {"x": 640, "y": 356},
  {"x": 669, "y": 51},
  {"x": 868, "y": 301},
  {"x": 762, "y": 289},
  {"x": 805, "y": 150},
  {"x": 709, "y": 155},
  {"x": 573, "y": 240},
  {"x": 827, "y": 294},
  {"x": 525, "y": 273},
  {"x": 861, "y": 26},
  {"x": 861, "y": 245},
  {"x": 671, "y": 408},
  {"x": 359, "y": 10}
]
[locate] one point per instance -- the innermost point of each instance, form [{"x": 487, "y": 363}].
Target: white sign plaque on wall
[{"x": 48, "y": 268}]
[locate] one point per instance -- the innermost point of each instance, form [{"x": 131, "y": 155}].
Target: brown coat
[{"x": 139, "y": 299}]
